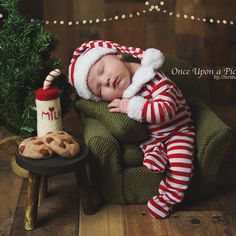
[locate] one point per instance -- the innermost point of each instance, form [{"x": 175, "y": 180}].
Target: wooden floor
[{"x": 59, "y": 213}]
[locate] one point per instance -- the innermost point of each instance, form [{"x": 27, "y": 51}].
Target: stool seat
[{"x": 53, "y": 165}]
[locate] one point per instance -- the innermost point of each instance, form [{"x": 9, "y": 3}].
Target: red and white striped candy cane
[{"x": 50, "y": 78}]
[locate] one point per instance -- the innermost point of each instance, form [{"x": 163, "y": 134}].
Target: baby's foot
[
  {"x": 157, "y": 208},
  {"x": 154, "y": 162}
]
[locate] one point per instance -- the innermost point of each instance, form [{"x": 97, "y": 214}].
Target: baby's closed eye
[{"x": 100, "y": 70}]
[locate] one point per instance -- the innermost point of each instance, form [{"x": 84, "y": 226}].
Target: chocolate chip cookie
[
  {"x": 35, "y": 148},
  {"x": 62, "y": 143}
]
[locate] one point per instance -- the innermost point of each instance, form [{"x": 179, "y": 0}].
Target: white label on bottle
[{"x": 48, "y": 116}]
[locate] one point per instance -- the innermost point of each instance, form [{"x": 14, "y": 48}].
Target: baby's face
[{"x": 109, "y": 77}]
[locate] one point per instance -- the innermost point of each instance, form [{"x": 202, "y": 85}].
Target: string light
[
  {"x": 149, "y": 8},
  {"x": 192, "y": 17}
]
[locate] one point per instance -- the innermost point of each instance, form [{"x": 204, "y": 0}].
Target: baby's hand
[{"x": 119, "y": 105}]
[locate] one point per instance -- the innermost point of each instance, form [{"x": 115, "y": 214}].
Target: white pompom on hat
[{"x": 88, "y": 53}]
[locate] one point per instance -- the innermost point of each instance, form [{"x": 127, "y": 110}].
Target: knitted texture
[
  {"x": 214, "y": 140},
  {"x": 120, "y": 125},
  {"x": 106, "y": 155},
  {"x": 132, "y": 155},
  {"x": 140, "y": 184}
]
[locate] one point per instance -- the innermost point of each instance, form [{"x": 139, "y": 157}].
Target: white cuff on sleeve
[{"x": 135, "y": 108}]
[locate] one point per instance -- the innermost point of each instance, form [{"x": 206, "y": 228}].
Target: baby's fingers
[
  {"x": 114, "y": 103},
  {"x": 117, "y": 109}
]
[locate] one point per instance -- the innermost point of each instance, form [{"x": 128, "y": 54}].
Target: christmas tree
[{"x": 25, "y": 49}]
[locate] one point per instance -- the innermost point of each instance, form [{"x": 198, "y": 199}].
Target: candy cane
[{"x": 50, "y": 78}]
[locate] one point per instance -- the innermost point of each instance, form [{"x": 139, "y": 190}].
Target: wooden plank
[
  {"x": 160, "y": 30},
  {"x": 10, "y": 186},
  {"x": 191, "y": 49},
  {"x": 93, "y": 10},
  {"x": 32, "y": 9},
  {"x": 195, "y": 223},
  {"x": 188, "y": 26},
  {"x": 58, "y": 212},
  {"x": 108, "y": 221},
  {"x": 137, "y": 221},
  {"x": 227, "y": 201},
  {"x": 227, "y": 198},
  {"x": 61, "y": 11},
  {"x": 179, "y": 223},
  {"x": 130, "y": 31}
]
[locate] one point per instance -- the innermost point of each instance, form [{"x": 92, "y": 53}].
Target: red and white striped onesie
[
  {"x": 171, "y": 139},
  {"x": 155, "y": 99}
]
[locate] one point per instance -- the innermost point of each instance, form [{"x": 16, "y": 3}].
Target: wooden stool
[{"x": 37, "y": 181}]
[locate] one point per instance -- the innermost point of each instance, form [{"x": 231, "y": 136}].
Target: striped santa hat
[{"x": 89, "y": 52}]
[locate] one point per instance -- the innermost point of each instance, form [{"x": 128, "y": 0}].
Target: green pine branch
[{"x": 25, "y": 49}]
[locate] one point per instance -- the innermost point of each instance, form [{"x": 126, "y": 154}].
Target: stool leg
[
  {"x": 85, "y": 191},
  {"x": 43, "y": 188},
  {"x": 31, "y": 206}
]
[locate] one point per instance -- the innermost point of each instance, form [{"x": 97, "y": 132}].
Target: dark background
[{"x": 204, "y": 45}]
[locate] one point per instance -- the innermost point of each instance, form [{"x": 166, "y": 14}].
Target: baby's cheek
[{"x": 110, "y": 95}]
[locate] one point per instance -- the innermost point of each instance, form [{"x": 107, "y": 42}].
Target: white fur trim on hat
[
  {"x": 152, "y": 60},
  {"x": 82, "y": 67}
]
